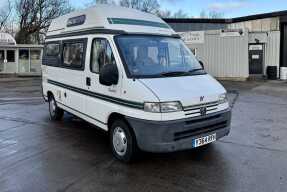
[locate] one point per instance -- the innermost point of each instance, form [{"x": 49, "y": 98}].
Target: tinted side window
[
  {"x": 101, "y": 55},
  {"x": 52, "y": 49},
  {"x": 73, "y": 54},
  {"x": 51, "y": 56}
]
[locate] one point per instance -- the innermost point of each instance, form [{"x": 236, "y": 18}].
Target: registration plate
[{"x": 203, "y": 140}]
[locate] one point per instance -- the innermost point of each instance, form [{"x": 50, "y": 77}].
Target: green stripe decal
[
  {"x": 115, "y": 100},
  {"x": 123, "y": 21}
]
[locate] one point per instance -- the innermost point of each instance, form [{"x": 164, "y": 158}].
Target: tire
[
  {"x": 123, "y": 142},
  {"x": 56, "y": 113}
]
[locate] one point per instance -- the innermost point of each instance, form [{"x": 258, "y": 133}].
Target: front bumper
[{"x": 169, "y": 136}]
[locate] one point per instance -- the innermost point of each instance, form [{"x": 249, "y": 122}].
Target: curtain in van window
[
  {"x": 101, "y": 55},
  {"x": 73, "y": 54}
]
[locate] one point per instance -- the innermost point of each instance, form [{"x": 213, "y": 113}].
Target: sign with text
[
  {"x": 194, "y": 37},
  {"x": 231, "y": 33},
  {"x": 256, "y": 47}
]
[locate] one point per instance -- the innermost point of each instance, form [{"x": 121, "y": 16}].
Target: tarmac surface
[{"x": 38, "y": 155}]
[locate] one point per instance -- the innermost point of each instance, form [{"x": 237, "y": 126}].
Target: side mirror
[
  {"x": 109, "y": 75},
  {"x": 201, "y": 63}
]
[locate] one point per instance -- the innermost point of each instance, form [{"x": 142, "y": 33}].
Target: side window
[
  {"x": 52, "y": 49},
  {"x": 51, "y": 55},
  {"x": 73, "y": 54},
  {"x": 101, "y": 55}
]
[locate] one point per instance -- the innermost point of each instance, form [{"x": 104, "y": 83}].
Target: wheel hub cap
[
  {"x": 52, "y": 106},
  {"x": 119, "y": 141}
]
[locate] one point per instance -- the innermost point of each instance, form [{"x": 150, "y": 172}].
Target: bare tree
[
  {"x": 203, "y": 14},
  {"x": 104, "y": 2},
  {"x": 5, "y": 12},
  {"x": 216, "y": 14},
  {"x": 101, "y": 1},
  {"x": 35, "y": 16},
  {"x": 150, "y": 6},
  {"x": 180, "y": 14},
  {"x": 164, "y": 14},
  {"x": 211, "y": 14}
]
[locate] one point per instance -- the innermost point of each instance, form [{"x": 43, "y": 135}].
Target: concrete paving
[{"x": 72, "y": 155}]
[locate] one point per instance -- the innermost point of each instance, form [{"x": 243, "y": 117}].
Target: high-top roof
[{"x": 109, "y": 18}]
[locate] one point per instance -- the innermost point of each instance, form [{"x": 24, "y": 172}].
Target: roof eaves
[{"x": 225, "y": 20}]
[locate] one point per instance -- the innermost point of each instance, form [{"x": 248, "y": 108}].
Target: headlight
[
  {"x": 164, "y": 107},
  {"x": 222, "y": 98},
  {"x": 152, "y": 107}
]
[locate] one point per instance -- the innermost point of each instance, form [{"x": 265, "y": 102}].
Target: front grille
[
  {"x": 202, "y": 119},
  {"x": 194, "y": 110},
  {"x": 200, "y": 130}
]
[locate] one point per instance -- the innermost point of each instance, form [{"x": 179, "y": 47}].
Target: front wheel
[
  {"x": 56, "y": 113},
  {"x": 123, "y": 142}
]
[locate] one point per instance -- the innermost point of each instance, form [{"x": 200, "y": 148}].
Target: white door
[
  {"x": 103, "y": 98},
  {"x": 10, "y": 61}
]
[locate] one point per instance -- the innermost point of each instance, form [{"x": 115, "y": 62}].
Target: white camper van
[{"x": 130, "y": 74}]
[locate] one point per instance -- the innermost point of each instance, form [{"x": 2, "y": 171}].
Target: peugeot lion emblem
[
  {"x": 201, "y": 98},
  {"x": 202, "y": 109}
]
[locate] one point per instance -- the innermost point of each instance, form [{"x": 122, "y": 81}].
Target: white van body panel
[{"x": 191, "y": 88}]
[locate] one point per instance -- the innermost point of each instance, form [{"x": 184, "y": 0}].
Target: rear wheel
[
  {"x": 122, "y": 141},
  {"x": 56, "y": 113}
]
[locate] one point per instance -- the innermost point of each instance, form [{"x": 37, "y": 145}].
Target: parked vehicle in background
[{"x": 130, "y": 74}]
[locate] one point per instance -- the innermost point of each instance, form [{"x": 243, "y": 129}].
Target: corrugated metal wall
[
  {"x": 183, "y": 27},
  {"x": 272, "y": 50},
  {"x": 258, "y": 25},
  {"x": 271, "y": 42},
  {"x": 224, "y": 57}
]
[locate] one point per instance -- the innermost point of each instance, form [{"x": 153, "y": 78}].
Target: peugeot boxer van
[{"x": 128, "y": 73}]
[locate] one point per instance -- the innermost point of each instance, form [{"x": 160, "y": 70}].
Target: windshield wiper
[
  {"x": 194, "y": 70},
  {"x": 173, "y": 73},
  {"x": 179, "y": 73}
]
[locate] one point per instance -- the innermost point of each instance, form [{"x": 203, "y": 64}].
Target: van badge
[
  {"x": 203, "y": 111},
  {"x": 201, "y": 98}
]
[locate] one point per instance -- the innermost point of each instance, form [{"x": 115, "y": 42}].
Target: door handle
[
  {"x": 88, "y": 81},
  {"x": 112, "y": 90}
]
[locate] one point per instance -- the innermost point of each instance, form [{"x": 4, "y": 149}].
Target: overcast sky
[{"x": 230, "y": 8}]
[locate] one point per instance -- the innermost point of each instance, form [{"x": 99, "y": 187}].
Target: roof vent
[{"x": 74, "y": 21}]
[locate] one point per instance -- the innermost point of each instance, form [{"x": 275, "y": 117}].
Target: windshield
[{"x": 157, "y": 56}]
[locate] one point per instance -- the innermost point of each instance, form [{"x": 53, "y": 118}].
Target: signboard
[
  {"x": 255, "y": 56},
  {"x": 231, "y": 33},
  {"x": 193, "y": 37},
  {"x": 255, "y": 47},
  {"x": 6, "y": 39}
]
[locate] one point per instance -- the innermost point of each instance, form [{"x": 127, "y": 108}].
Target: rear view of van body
[{"x": 130, "y": 74}]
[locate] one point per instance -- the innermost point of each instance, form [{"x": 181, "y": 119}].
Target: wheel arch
[
  {"x": 113, "y": 117},
  {"x": 117, "y": 116},
  {"x": 49, "y": 94}
]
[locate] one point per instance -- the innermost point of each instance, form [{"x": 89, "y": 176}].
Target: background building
[
  {"x": 238, "y": 48},
  {"x": 20, "y": 59}
]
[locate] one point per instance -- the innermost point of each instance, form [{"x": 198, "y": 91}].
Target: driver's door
[{"x": 101, "y": 101}]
